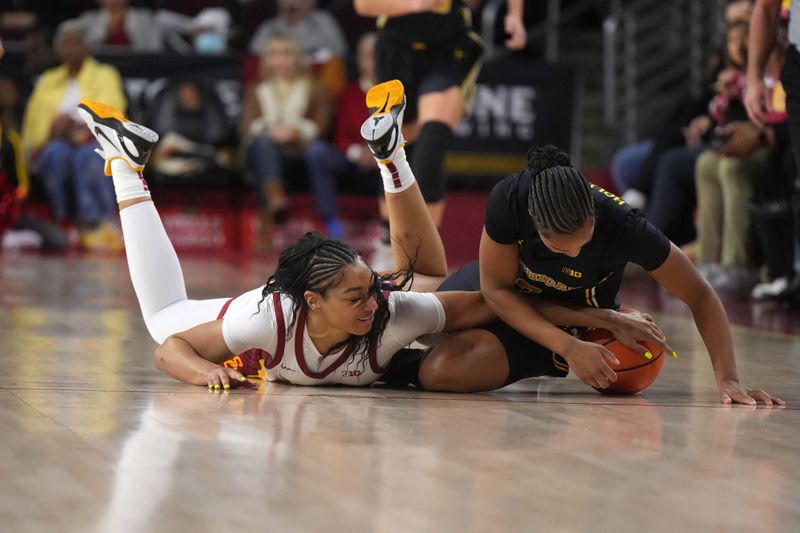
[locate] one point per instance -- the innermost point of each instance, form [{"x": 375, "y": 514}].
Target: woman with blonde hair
[{"x": 283, "y": 112}]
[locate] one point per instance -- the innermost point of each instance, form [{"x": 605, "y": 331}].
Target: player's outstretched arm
[{"x": 679, "y": 276}]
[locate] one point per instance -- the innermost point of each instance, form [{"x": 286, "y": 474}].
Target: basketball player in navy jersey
[{"x": 550, "y": 233}]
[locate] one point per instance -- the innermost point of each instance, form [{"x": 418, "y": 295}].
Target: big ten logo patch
[
  {"x": 501, "y": 112},
  {"x": 573, "y": 273}
]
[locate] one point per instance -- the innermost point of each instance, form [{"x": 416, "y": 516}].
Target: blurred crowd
[
  {"x": 714, "y": 182},
  {"x": 711, "y": 180},
  {"x": 302, "y": 74}
]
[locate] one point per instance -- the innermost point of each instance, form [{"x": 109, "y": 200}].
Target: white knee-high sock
[
  {"x": 128, "y": 184},
  {"x": 397, "y": 175}
]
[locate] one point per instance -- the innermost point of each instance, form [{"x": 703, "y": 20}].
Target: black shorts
[
  {"x": 427, "y": 70},
  {"x": 526, "y": 358}
]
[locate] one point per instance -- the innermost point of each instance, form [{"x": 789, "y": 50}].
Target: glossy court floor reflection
[{"x": 93, "y": 439}]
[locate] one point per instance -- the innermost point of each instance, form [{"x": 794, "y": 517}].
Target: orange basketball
[{"x": 634, "y": 372}]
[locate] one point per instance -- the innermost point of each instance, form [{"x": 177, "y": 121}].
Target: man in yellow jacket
[{"x": 62, "y": 149}]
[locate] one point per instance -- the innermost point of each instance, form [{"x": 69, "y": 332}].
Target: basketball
[{"x": 634, "y": 372}]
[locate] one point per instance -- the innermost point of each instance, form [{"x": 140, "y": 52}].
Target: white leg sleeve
[{"x": 157, "y": 277}]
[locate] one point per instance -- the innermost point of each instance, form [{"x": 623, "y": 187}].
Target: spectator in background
[
  {"x": 317, "y": 33},
  {"x": 210, "y": 29},
  {"x": 119, "y": 25},
  {"x": 63, "y": 149},
  {"x": 205, "y": 33},
  {"x": 725, "y": 177},
  {"x": 656, "y": 175},
  {"x": 284, "y": 112},
  {"x": 348, "y": 155},
  {"x": 194, "y": 129}
]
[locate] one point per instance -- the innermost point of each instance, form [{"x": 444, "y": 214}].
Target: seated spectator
[
  {"x": 119, "y": 25},
  {"x": 656, "y": 175},
  {"x": 284, "y": 112},
  {"x": 194, "y": 130},
  {"x": 61, "y": 147},
  {"x": 317, "y": 33},
  {"x": 725, "y": 175},
  {"x": 347, "y": 156}
]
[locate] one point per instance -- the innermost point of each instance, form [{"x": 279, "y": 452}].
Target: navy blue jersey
[{"x": 621, "y": 235}]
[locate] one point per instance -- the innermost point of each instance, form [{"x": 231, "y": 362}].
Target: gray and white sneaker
[
  {"x": 119, "y": 137},
  {"x": 383, "y": 129}
]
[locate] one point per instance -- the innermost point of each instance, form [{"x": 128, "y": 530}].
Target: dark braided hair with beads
[
  {"x": 560, "y": 198},
  {"x": 315, "y": 264}
]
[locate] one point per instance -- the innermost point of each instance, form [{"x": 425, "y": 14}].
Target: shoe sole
[
  {"x": 382, "y": 98},
  {"x": 113, "y": 118}
]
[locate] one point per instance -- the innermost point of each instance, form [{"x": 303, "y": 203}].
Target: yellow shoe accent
[
  {"x": 383, "y": 97},
  {"x": 107, "y": 169},
  {"x": 104, "y": 110}
]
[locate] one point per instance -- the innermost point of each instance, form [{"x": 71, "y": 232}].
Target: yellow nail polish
[
  {"x": 675, "y": 355},
  {"x": 216, "y": 386},
  {"x": 242, "y": 379},
  {"x": 648, "y": 355},
  {"x": 227, "y": 386}
]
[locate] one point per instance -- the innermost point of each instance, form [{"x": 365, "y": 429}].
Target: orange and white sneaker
[
  {"x": 119, "y": 137},
  {"x": 382, "y": 130}
]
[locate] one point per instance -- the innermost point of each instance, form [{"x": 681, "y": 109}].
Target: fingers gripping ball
[{"x": 634, "y": 372}]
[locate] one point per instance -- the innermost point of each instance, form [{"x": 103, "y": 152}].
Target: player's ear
[{"x": 312, "y": 300}]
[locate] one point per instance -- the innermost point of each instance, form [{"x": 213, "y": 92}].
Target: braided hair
[
  {"x": 315, "y": 264},
  {"x": 560, "y": 198}
]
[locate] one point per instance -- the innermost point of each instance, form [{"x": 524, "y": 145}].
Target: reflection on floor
[{"x": 92, "y": 438}]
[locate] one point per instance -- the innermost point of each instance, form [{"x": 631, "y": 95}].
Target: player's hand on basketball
[
  {"x": 589, "y": 362},
  {"x": 515, "y": 27},
  {"x": 223, "y": 378},
  {"x": 732, "y": 392},
  {"x": 632, "y": 327}
]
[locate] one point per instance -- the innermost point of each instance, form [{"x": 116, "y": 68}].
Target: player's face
[
  {"x": 350, "y": 305},
  {"x": 568, "y": 244}
]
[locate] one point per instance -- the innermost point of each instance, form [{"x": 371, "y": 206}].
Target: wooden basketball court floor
[{"x": 94, "y": 439}]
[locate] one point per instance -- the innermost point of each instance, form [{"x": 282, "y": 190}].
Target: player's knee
[
  {"x": 446, "y": 368},
  {"x": 437, "y": 371}
]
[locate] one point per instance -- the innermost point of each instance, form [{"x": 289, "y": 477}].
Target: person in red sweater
[{"x": 347, "y": 156}]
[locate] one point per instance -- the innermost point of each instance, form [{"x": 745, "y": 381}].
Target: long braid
[
  {"x": 315, "y": 264},
  {"x": 560, "y": 198}
]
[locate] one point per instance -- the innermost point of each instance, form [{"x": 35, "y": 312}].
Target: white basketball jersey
[{"x": 292, "y": 356}]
